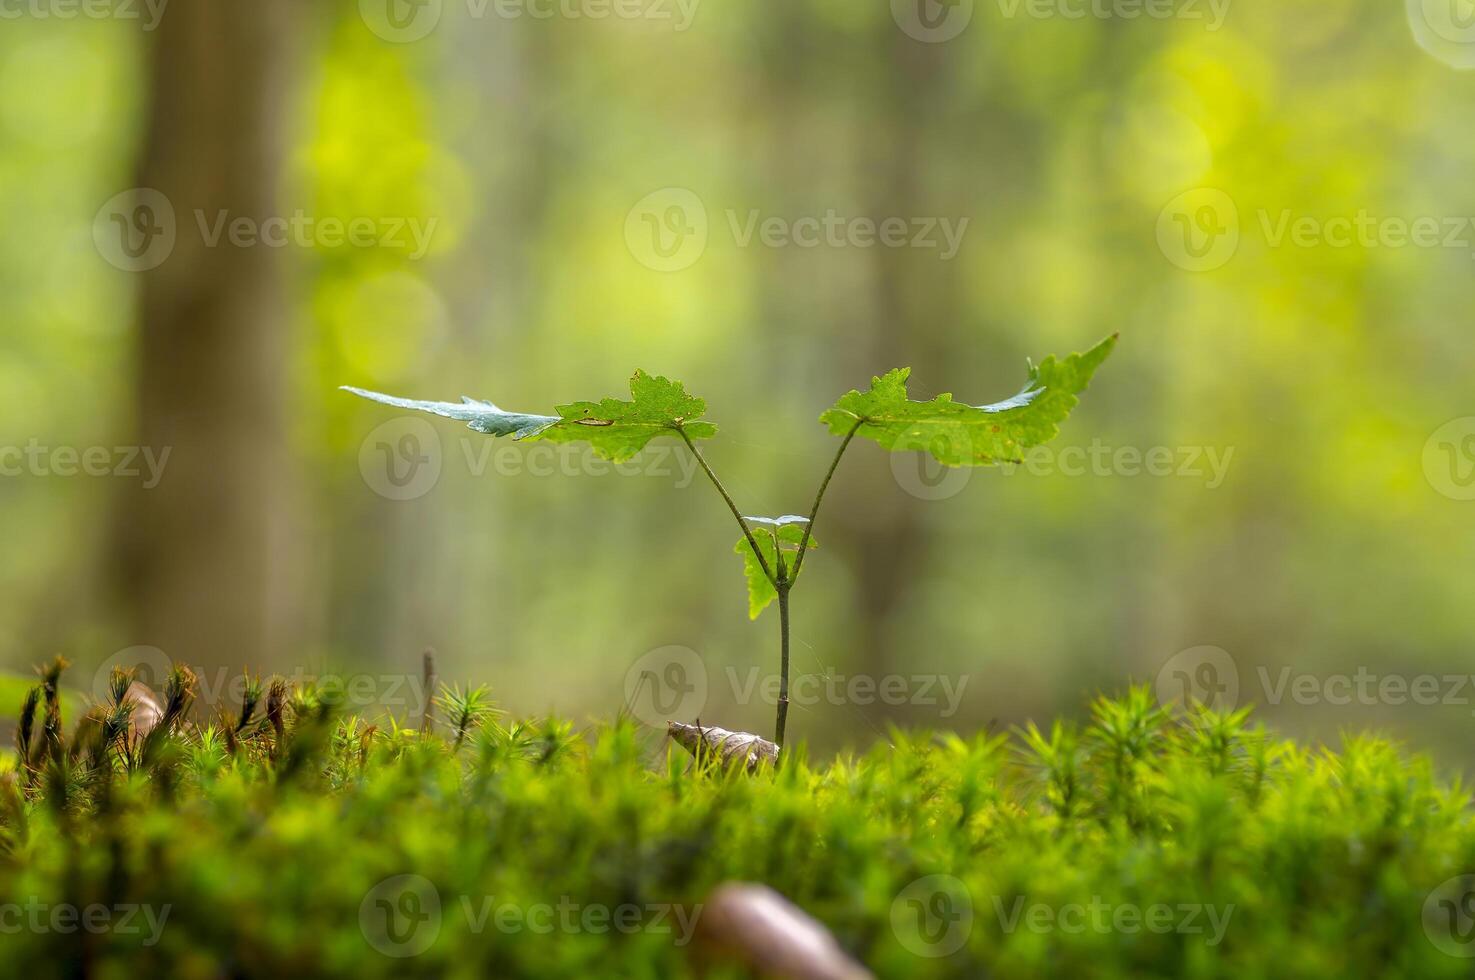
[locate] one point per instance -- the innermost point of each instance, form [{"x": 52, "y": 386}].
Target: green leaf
[
  {"x": 957, "y": 434},
  {"x": 616, "y": 430},
  {"x": 772, "y": 534}
]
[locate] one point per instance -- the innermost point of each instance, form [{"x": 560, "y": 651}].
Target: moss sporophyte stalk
[{"x": 774, "y": 549}]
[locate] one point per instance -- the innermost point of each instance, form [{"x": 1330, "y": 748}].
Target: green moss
[{"x": 1139, "y": 845}]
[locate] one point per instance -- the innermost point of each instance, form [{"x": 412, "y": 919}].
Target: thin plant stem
[
  {"x": 427, "y": 721},
  {"x": 785, "y": 582},
  {"x": 747, "y": 532},
  {"x": 782, "y": 578},
  {"x": 820, "y": 496},
  {"x": 783, "y": 683}
]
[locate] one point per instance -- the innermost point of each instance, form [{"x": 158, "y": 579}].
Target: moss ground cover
[{"x": 288, "y": 840}]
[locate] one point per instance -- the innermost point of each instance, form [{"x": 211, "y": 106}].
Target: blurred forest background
[{"x": 528, "y": 143}]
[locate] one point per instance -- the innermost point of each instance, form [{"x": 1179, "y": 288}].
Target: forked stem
[
  {"x": 737, "y": 514},
  {"x": 782, "y": 577},
  {"x": 786, "y": 579}
]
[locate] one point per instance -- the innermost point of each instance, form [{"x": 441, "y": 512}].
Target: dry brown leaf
[
  {"x": 759, "y": 928},
  {"x": 728, "y": 748}
]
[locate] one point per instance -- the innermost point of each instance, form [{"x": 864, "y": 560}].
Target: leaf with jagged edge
[
  {"x": 616, "y": 430},
  {"x": 772, "y": 534},
  {"x": 958, "y": 434},
  {"x": 619, "y": 429}
]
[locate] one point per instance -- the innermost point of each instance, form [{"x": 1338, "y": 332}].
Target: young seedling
[{"x": 773, "y": 549}]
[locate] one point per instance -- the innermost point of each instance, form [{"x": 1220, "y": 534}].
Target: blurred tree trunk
[
  {"x": 896, "y": 322},
  {"x": 208, "y": 553},
  {"x": 914, "y": 294}
]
